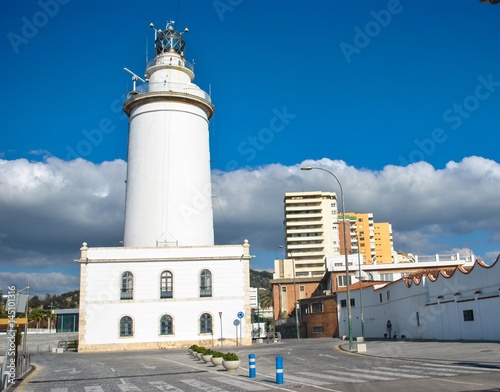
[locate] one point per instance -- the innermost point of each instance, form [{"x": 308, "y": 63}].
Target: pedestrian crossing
[{"x": 240, "y": 381}]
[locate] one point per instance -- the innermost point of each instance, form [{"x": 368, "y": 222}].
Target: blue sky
[{"x": 399, "y": 98}]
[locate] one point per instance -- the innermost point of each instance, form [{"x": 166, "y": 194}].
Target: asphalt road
[{"x": 309, "y": 365}]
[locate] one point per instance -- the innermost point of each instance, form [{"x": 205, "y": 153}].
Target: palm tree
[
  {"x": 37, "y": 315},
  {"x": 266, "y": 298}
]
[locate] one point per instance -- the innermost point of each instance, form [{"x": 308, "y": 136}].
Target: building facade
[
  {"x": 163, "y": 297},
  {"x": 455, "y": 303},
  {"x": 311, "y": 227}
]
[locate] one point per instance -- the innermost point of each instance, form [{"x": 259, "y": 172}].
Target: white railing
[
  {"x": 170, "y": 60},
  {"x": 170, "y": 87}
]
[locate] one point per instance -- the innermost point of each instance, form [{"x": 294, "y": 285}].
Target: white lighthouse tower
[{"x": 168, "y": 200}]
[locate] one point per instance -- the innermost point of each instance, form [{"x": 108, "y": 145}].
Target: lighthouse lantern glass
[{"x": 169, "y": 41}]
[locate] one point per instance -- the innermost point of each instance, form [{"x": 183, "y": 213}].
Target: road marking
[
  {"x": 453, "y": 369},
  {"x": 431, "y": 372},
  {"x": 478, "y": 368},
  {"x": 95, "y": 388},
  {"x": 302, "y": 380},
  {"x": 357, "y": 374},
  {"x": 272, "y": 386},
  {"x": 241, "y": 384},
  {"x": 26, "y": 381},
  {"x": 163, "y": 386},
  {"x": 202, "y": 385},
  {"x": 148, "y": 367},
  {"x": 328, "y": 356},
  {"x": 69, "y": 371},
  {"x": 399, "y": 373},
  {"x": 335, "y": 378},
  {"x": 379, "y": 372},
  {"x": 127, "y": 387},
  {"x": 458, "y": 382}
]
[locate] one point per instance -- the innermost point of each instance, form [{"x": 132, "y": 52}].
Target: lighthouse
[
  {"x": 168, "y": 197},
  {"x": 169, "y": 286}
]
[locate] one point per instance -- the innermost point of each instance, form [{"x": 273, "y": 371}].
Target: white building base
[{"x": 102, "y": 306}]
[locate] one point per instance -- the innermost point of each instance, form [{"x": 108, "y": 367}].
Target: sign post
[{"x": 240, "y": 316}]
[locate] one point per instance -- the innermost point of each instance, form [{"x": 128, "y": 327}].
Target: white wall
[
  {"x": 101, "y": 307},
  {"x": 440, "y": 307}
]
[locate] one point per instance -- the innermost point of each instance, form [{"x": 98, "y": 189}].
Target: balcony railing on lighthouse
[
  {"x": 168, "y": 60},
  {"x": 170, "y": 87}
]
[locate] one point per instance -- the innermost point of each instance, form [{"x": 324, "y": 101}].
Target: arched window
[
  {"x": 166, "y": 325},
  {"x": 205, "y": 283},
  {"x": 205, "y": 323},
  {"x": 166, "y": 285},
  {"x": 127, "y": 286},
  {"x": 126, "y": 326}
]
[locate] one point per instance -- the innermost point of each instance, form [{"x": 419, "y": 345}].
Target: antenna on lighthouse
[
  {"x": 154, "y": 28},
  {"x": 135, "y": 78}
]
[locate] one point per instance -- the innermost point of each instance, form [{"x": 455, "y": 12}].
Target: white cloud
[
  {"x": 49, "y": 208},
  {"x": 428, "y": 208}
]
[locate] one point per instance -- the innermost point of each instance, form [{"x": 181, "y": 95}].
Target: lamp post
[
  {"x": 258, "y": 312},
  {"x": 221, "y": 339},
  {"x": 360, "y": 291},
  {"x": 294, "y": 294},
  {"x": 348, "y": 288}
]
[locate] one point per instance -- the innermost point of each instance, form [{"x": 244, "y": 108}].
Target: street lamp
[
  {"x": 221, "y": 339},
  {"x": 294, "y": 294},
  {"x": 349, "y": 321},
  {"x": 360, "y": 291}
]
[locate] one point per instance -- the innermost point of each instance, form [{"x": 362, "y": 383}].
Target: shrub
[
  {"x": 217, "y": 354},
  {"x": 208, "y": 352},
  {"x": 230, "y": 357},
  {"x": 201, "y": 350}
]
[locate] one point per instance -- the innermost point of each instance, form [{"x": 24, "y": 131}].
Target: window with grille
[
  {"x": 166, "y": 325},
  {"x": 166, "y": 285},
  {"x": 126, "y": 326},
  {"x": 317, "y": 307},
  {"x": 205, "y": 323},
  {"x": 127, "y": 285},
  {"x": 205, "y": 283},
  {"x": 468, "y": 315}
]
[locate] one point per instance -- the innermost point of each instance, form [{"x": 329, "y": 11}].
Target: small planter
[
  {"x": 199, "y": 356},
  {"x": 216, "y": 361},
  {"x": 207, "y": 357},
  {"x": 231, "y": 366}
]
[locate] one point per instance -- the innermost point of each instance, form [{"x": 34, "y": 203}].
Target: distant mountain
[
  {"x": 260, "y": 278},
  {"x": 69, "y": 300}
]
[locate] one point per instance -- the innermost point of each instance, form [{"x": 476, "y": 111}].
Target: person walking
[{"x": 389, "y": 329}]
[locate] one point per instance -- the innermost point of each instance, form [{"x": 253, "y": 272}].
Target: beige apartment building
[
  {"x": 384, "y": 246},
  {"x": 372, "y": 239}
]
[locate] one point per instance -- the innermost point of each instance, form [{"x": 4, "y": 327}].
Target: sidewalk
[{"x": 485, "y": 354}]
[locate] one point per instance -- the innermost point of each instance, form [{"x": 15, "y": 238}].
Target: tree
[
  {"x": 18, "y": 340},
  {"x": 266, "y": 298},
  {"x": 37, "y": 315}
]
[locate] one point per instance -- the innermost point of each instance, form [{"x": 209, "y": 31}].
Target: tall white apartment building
[{"x": 311, "y": 227}]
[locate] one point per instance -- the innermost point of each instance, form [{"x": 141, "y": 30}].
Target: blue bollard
[
  {"x": 279, "y": 370},
  {"x": 251, "y": 365}
]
